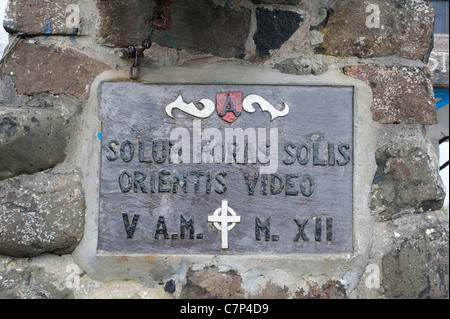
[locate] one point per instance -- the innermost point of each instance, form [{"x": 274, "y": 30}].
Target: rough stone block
[
  {"x": 59, "y": 277},
  {"x": 400, "y": 94},
  {"x": 417, "y": 266},
  {"x": 31, "y": 282},
  {"x": 42, "y": 17},
  {"x": 8, "y": 94},
  {"x": 301, "y": 66},
  {"x": 124, "y": 22},
  {"x": 198, "y": 26},
  {"x": 41, "y": 213},
  {"x": 212, "y": 283},
  {"x": 286, "y": 2},
  {"x": 31, "y": 140},
  {"x": 274, "y": 27},
  {"x": 406, "y": 181},
  {"x": 36, "y": 69},
  {"x": 405, "y": 29},
  {"x": 68, "y": 104},
  {"x": 332, "y": 289}
]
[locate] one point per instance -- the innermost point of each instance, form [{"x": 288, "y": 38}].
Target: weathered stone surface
[
  {"x": 319, "y": 11},
  {"x": 36, "y": 69},
  {"x": 271, "y": 290},
  {"x": 8, "y": 94},
  {"x": 50, "y": 276},
  {"x": 406, "y": 181},
  {"x": 330, "y": 290},
  {"x": 202, "y": 27},
  {"x": 286, "y": 2},
  {"x": 210, "y": 283},
  {"x": 418, "y": 266},
  {"x": 274, "y": 27},
  {"x": 31, "y": 283},
  {"x": 68, "y": 104},
  {"x": 400, "y": 94},
  {"x": 119, "y": 25},
  {"x": 170, "y": 286},
  {"x": 31, "y": 140},
  {"x": 301, "y": 66},
  {"x": 41, "y": 213},
  {"x": 42, "y": 17},
  {"x": 405, "y": 29},
  {"x": 439, "y": 61},
  {"x": 198, "y": 26}
]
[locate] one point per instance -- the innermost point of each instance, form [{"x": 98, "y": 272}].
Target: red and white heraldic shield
[{"x": 229, "y": 106}]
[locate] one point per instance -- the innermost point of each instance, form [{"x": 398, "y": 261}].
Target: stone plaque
[{"x": 225, "y": 169}]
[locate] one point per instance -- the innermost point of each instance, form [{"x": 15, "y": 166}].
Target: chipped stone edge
[{"x": 347, "y": 268}]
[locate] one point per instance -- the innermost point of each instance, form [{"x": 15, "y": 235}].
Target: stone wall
[{"x": 48, "y": 123}]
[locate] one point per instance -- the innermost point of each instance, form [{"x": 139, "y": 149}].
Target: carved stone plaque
[{"x": 225, "y": 169}]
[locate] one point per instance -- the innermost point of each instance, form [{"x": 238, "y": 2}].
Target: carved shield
[{"x": 229, "y": 106}]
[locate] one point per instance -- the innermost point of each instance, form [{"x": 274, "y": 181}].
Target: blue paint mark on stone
[
  {"x": 442, "y": 98},
  {"x": 99, "y": 135},
  {"x": 48, "y": 28},
  {"x": 9, "y": 25},
  {"x": 72, "y": 37},
  {"x": 229, "y": 3}
]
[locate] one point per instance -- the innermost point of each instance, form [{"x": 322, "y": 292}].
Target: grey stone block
[{"x": 41, "y": 213}]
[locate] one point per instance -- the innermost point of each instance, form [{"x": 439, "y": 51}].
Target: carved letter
[
  {"x": 186, "y": 225},
  {"x": 301, "y": 230},
  {"x": 251, "y": 184},
  {"x": 130, "y": 229},
  {"x": 161, "y": 228},
  {"x": 262, "y": 226}
]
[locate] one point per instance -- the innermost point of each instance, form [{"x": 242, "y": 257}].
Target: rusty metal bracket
[
  {"x": 161, "y": 20},
  {"x": 162, "y": 17}
]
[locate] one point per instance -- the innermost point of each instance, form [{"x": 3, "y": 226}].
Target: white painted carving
[
  {"x": 265, "y": 106},
  {"x": 209, "y": 107},
  {"x": 191, "y": 109},
  {"x": 224, "y": 222}
]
